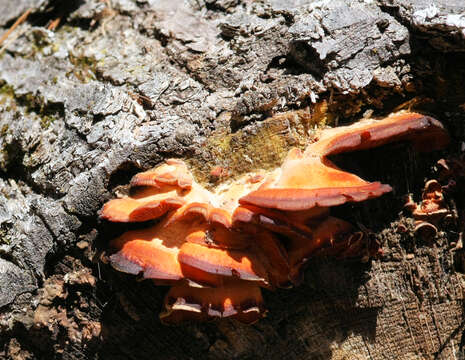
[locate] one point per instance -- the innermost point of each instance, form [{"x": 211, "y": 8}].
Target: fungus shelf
[{"x": 217, "y": 248}]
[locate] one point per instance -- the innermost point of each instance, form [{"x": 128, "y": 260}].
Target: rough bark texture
[{"x": 122, "y": 84}]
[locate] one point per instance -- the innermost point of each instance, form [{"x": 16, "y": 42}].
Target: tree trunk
[{"x": 94, "y": 91}]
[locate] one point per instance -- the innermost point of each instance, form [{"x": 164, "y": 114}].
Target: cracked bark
[{"x": 121, "y": 85}]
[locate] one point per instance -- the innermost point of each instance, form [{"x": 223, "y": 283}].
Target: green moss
[
  {"x": 5, "y": 240},
  {"x": 66, "y": 28},
  {"x": 7, "y": 90},
  {"x": 55, "y": 47},
  {"x": 84, "y": 67},
  {"x": 262, "y": 147},
  {"x": 7, "y": 97},
  {"x": 40, "y": 42},
  {"x": 31, "y": 104},
  {"x": 4, "y": 130},
  {"x": 46, "y": 121},
  {"x": 4, "y": 237}
]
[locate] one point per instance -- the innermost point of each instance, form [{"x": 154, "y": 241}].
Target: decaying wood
[{"x": 120, "y": 85}]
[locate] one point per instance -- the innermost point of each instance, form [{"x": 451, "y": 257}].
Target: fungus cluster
[
  {"x": 216, "y": 249},
  {"x": 430, "y": 211}
]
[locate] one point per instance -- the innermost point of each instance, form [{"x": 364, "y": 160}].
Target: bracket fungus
[
  {"x": 217, "y": 248},
  {"x": 430, "y": 211}
]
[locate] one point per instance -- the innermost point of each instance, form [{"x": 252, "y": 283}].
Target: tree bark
[{"x": 119, "y": 85}]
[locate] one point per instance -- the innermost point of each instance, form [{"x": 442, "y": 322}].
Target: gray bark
[{"x": 123, "y": 84}]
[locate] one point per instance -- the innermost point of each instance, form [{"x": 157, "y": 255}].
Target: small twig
[
  {"x": 54, "y": 24},
  {"x": 18, "y": 22},
  {"x": 11, "y": 40}
]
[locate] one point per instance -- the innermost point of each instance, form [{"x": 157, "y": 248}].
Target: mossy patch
[
  {"x": 47, "y": 112},
  {"x": 262, "y": 145},
  {"x": 46, "y": 121},
  {"x": 5, "y": 238},
  {"x": 31, "y": 104},
  {"x": 84, "y": 68},
  {"x": 4, "y": 130},
  {"x": 7, "y": 90},
  {"x": 7, "y": 97}
]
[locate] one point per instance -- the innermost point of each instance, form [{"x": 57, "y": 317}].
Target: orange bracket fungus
[
  {"x": 430, "y": 211},
  {"x": 218, "y": 248}
]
